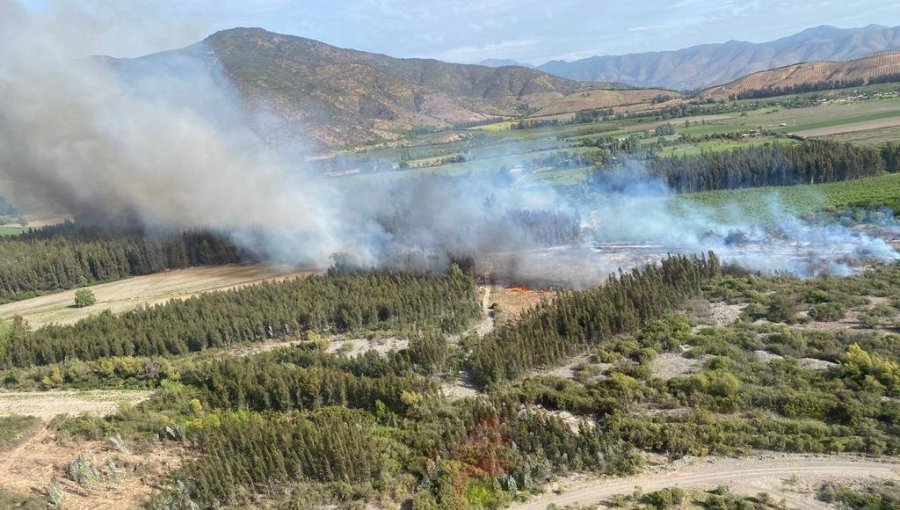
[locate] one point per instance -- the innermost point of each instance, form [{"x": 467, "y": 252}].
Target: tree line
[
  {"x": 577, "y": 319},
  {"x": 67, "y": 256},
  {"x": 332, "y": 303},
  {"x": 811, "y": 162}
]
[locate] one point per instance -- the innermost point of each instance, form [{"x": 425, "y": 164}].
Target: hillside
[
  {"x": 710, "y": 64},
  {"x": 332, "y": 96},
  {"x": 810, "y": 76}
]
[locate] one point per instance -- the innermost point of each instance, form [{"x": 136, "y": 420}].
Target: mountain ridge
[{"x": 705, "y": 65}]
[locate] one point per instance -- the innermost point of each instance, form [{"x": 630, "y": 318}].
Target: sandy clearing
[
  {"x": 747, "y": 475},
  {"x": 35, "y": 463},
  {"x": 849, "y": 128},
  {"x": 668, "y": 365},
  {"x": 355, "y": 347},
  {"x": 48, "y": 404},
  {"x": 123, "y": 295},
  {"x": 514, "y": 300}
]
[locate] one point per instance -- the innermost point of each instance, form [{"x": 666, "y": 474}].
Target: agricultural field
[
  {"x": 140, "y": 291},
  {"x": 769, "y": 203}
]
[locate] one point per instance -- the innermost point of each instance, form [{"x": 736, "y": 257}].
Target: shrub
[
  {"x": 664, "y": 498},
  {"x": 84, "y": 298},
  {"x": 827, "y": 312},
  {"x": 81, "y": 470}
]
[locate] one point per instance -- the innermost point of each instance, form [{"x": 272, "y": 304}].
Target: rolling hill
[
  {"x": 331, "y": 97},
  {"x": 810, "y": 76},
  {"x": 706, "y": 65}
]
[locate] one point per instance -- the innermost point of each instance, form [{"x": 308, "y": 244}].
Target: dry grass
[
  {"x": 41, "y": 460},
  {"x": 640, "y": 99},
  {"x": 47, "y": 405},
  {"x": 128, "y": 294},
  {"x": 512, "y": 301}
]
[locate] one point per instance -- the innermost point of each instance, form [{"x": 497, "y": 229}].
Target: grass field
[
  {"x": 123, "y": 295},
  {"x": 764, "y": 203},
  {"x": 6, "y": 230}
]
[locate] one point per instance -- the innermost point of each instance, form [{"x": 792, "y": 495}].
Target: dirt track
[
  {"x": 780, "y": 475},
  {"x": 123, "y": 295}
]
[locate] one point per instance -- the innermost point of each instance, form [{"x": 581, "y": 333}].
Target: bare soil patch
[
  {"x": 671, "y": 364},
  {"x": 47, "y": 405},
  {"x": 783, "y": 476},
  {"x": 353, "y": 347},
  {"x": 41, "y": 460},
  {"x": 701, "y": 312},
  {"x": 123, "y": 295},
  {"x": 514, "y": 300},
  {"x": 567, "y": 370}
]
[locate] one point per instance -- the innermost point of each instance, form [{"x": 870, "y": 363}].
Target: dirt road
[
  {"x": 778, "y": 475},
  {"x": 123, "y": 295}
]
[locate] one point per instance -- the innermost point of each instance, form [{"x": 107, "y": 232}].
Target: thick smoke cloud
[{"x": 167, "y": 145}]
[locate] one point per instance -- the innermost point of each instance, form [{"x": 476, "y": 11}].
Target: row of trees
[
  {"x": 261, "y": 385},
  {"x": 799, "y": 88},
  {"x": 270, "y": 310},
  {"x": 575, "y": 320},
  {"x": 811, "y": 162},
  {"x": 65, "y": 257}
]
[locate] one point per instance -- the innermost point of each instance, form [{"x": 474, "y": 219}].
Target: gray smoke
[{"x": 167, "y": 144}]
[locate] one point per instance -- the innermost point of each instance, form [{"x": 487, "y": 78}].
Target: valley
[{"x": 264, "y": 271}]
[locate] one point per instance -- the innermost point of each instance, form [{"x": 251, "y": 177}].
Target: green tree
[{"x": 84, "y": 298}]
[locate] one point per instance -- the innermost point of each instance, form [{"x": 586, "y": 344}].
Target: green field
[
  {"x": 763, "y": 203},
  {"x": 11, "y": 231}
]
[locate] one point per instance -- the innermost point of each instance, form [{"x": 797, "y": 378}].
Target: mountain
[
  {"x": 702, "y": 66},
  {"x": 819, "y": 75},
  {"x": 330, "y": 96},
  {"x": 503, "y": 62}
]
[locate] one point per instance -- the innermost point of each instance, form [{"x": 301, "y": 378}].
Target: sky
[{"x": 466, "y": 31}]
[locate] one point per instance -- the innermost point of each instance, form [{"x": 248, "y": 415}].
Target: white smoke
[{"x": 167, "y": 145}]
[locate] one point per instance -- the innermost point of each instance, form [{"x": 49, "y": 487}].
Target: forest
[
  {"x": 811, "y": 162},
  {"x": 577, "y": 319},
  {"x": 299, "y": 425},
  {"x": 68, "y": 256},
  {"x": 337, "y": 303}
]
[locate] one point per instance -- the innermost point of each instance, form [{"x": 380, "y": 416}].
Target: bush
[
  {"x": 84, "y": 298},
  {"x": 782, "y": 308},
  {"x": 827, "y": 312},
  {"x": 664, "y": 498}
]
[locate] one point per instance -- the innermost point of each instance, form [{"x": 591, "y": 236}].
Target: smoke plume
[{"x": 167, "y": 144}]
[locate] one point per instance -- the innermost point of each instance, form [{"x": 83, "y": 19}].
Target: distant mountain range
[
  {"x": 330, "y": 97},
  {"x": 702, "y": 66}
]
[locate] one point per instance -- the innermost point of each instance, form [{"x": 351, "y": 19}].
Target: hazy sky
[{"x": 531, "y": 31}]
